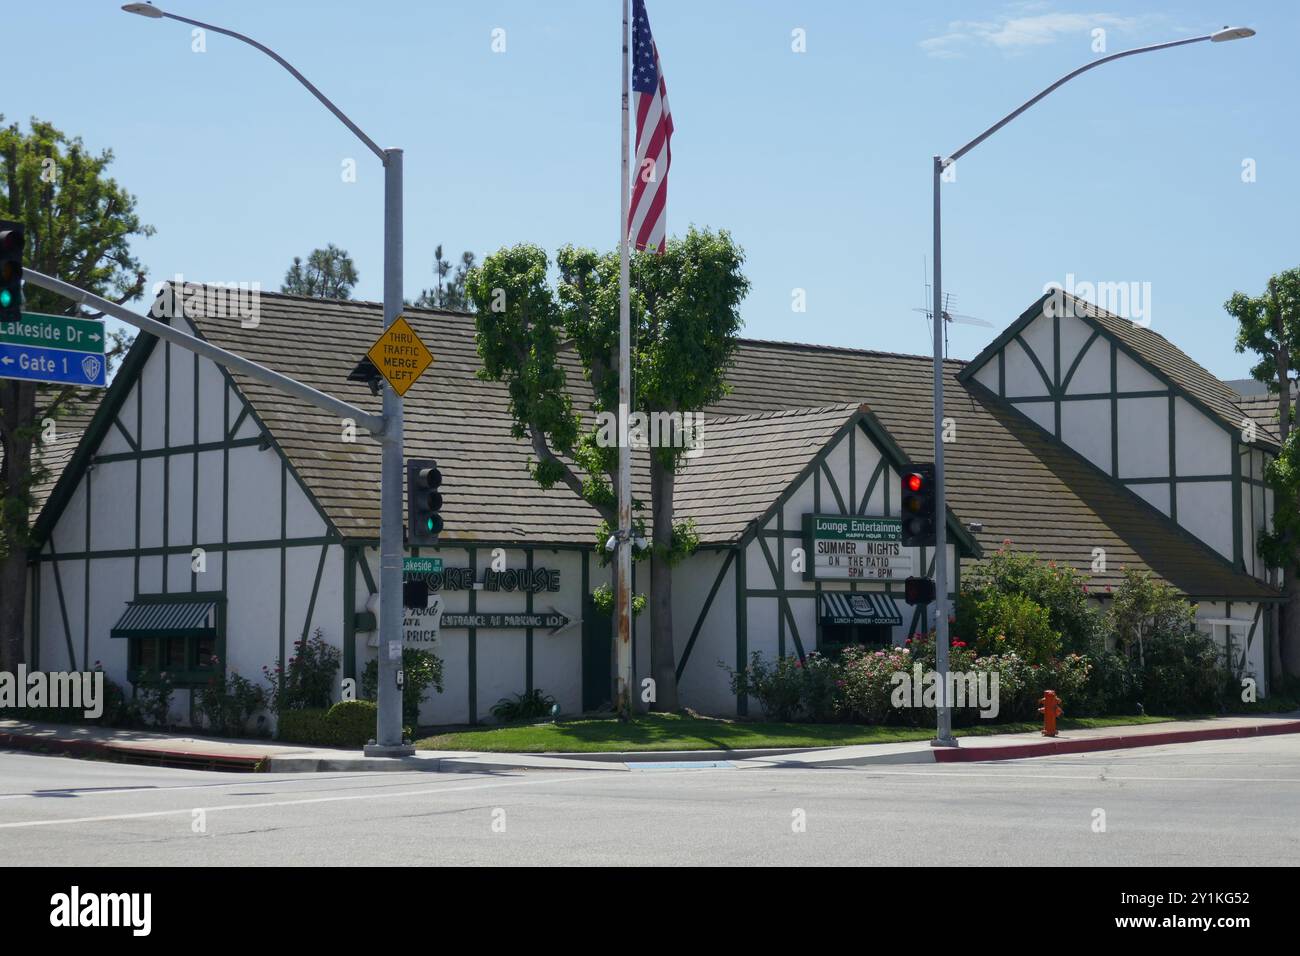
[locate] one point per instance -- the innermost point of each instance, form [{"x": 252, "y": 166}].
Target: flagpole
[{"x": 623, "y": 577}]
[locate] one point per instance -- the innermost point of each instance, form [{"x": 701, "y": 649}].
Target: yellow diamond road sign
[{"x": 400, "y": 356}]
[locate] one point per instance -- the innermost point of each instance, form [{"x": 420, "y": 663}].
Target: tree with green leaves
[
  {"x": 685, "y": 322},
  {"x": 79, "y": 224},
  {"x": 449, "y": 294},
  {"x": 1269, "y": 326},
  {"x": 328, "y": 273}
]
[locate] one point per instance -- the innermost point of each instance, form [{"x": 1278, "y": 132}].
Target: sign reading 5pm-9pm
[
  {"x": 53, "y": 348},
  {"x": 855, "y": 548}
]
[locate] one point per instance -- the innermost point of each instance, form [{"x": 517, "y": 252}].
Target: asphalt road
[{"x": 1218, "y": 802}]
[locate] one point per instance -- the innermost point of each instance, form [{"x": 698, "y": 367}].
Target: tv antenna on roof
[{"x": 949, "y": 317}]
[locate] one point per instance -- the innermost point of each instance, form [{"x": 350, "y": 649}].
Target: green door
[{"x": 597, "y": 646}]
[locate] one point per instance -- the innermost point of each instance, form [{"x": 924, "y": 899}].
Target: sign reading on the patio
[{"x": 855, "y": 547}]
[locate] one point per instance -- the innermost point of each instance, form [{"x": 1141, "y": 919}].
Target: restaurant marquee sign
[{"x": 855, "y": 548}]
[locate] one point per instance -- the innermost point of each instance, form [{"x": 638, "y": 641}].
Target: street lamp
[
  {"x": 388, "y": 736},
  {"x": 943, "y": 736}
]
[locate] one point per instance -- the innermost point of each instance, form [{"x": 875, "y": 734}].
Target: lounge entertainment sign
[{"x": 855, "y": 547}]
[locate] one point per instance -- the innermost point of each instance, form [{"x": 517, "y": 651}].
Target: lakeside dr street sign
[
  {"x": 855, "y": 547},
  {"x": 53, "y": 348},
  {"x": 400, "y": 356}
]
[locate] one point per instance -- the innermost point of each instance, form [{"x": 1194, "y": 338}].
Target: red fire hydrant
[{"x": 1050, "y": 708}]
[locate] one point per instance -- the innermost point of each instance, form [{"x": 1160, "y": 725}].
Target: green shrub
[
  {"x": 530, "y": 705},
  {"x": 1112, "y": 684},
  {"x": 304, "y": 726},
  {"x": 1012, "y": 623},
  {"x": 867, "y": 684},
  {"x": 1184, "y": 673},
  {"x": 228, "y": 704},
  {"x": 1061, "y": 591},
  {"x": 349, "y": 724},
  {"x": 790, "y": 688},
  {"x": 307, "y": 680},
  {"x": 1178, "y": 669},
  {"x": 777, "y": 687},
  {"x": 153, "y": 697},
  {"x": 421, "y": 670},
  {"x": 352, "y": 722}
]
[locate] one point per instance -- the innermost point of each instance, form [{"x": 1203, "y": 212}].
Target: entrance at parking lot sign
[{"x": 53, "y": 348}]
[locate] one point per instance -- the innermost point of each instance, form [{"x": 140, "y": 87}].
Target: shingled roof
[
  {"x": 70, "y": 426},
  {"x": 787, "y": 400},
  {"x": 1003, "y": 472}
]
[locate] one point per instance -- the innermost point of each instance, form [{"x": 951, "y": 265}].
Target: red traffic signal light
[
  {"x": 918, "y": 591},
  {"x": 918, "y": 506}
]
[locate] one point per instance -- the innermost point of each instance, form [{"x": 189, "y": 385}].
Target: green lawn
[{"x": 680, "y": 732}]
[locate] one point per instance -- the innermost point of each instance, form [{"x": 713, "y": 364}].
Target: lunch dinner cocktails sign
[{"x": 855, "y": 548}]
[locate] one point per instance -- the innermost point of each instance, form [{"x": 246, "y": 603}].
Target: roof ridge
[
  {"x": 325, "y": 300},
  {"x": 801, "y": 410},
  {"x": 813, "y": 346}
]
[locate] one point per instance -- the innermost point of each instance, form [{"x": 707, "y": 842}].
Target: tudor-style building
[{"x": 202, "y": 522}]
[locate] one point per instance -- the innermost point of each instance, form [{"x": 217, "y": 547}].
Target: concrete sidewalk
[
  {"x": 1019, "y": 746},
  {"x": 215, "y": 753}
]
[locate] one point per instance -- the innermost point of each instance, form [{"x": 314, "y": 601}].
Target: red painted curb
[
  {"x": 1052, "y": 747},
  {"x": 145, "y": 754}
]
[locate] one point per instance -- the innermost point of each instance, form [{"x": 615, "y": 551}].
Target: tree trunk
[
  {"x": 663, "y": 657},
  {"x": 13, "y": 608},
  {"x": 1275, "y": 650},
  {"x": 18, "y": 410}
]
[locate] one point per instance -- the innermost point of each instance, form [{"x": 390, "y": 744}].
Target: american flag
[{"x": 647, "y": 217}]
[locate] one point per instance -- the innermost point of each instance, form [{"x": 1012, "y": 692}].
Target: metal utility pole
[
  {"x": 388, "y": 735},
  {"x": 943, "y": 736},
  {"x": 623, "y": 573}
]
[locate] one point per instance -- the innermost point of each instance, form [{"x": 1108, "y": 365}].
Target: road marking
[
  {"x": 246, "y": 780},
  {"x": 186, "y": 811}
]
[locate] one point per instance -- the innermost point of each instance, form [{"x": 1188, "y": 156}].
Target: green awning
[
  {"x": 167, "y": 618},
  {"x": 860, "y": 608}
]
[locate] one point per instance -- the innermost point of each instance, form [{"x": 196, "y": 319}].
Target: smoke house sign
[{"x": 855, "y": 548}]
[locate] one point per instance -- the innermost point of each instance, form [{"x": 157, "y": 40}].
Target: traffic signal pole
[
  {"x": 944, "y": 736},
  {"x": 943, "y": 732},
  {"x": 388, "y": 734}
]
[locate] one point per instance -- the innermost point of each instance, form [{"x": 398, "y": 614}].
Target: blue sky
[{"x": 818, "y": 162}]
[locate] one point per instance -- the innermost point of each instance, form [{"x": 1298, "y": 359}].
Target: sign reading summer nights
[{"x": 855, "y": 547}]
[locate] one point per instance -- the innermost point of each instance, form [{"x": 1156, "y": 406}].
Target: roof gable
[{"x": 1152, "y": 351}]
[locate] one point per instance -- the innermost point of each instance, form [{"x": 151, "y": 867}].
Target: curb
[
  {"x": 669, "y": 756},
  {"x": 276, "y": 764},
  {"x": 126, "y": 753},
  {"x": 1050, "y": 748}
]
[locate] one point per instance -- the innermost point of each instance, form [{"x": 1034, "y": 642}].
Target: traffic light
[
  {"x": 918, "y": 506},
  {"x": 11, "y": 270},
  {"x": 415, "y": 594},
  {"x": 918, "y": 591},
  {"x": 423, "y": 502}
]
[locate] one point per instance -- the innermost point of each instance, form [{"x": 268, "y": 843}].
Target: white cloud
[{"x": 1021, "y": 29}]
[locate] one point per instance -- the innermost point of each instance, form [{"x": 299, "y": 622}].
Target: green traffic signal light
[{"x": 6, "y": 298}]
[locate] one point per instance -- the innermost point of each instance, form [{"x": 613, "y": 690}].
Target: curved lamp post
[
  {"x": 944, "y": 737},
  {"x": 388, "y": 738}
]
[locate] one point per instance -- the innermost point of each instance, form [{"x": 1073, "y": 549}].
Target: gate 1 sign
[{"x": 855, "y": 547}]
